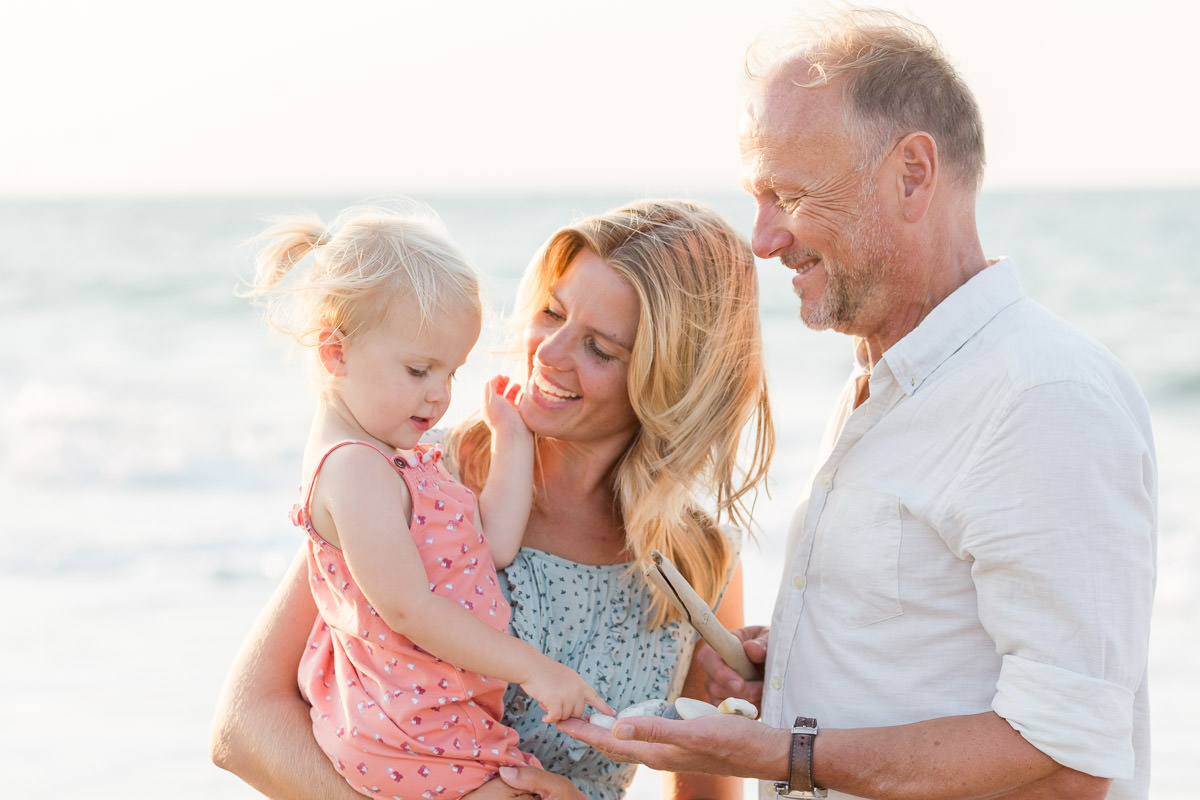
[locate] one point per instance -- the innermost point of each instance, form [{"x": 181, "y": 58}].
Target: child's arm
[
  {"x": 505, "y": 498},
  {"x": 368, "y": 505}
]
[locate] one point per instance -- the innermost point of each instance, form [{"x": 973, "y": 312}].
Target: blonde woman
[{"x": 643, "y": 369}]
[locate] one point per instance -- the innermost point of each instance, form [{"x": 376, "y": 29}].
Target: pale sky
[{"x": 638, "y": 96}]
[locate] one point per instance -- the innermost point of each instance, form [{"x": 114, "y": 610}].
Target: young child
[{"x": 408, "y": 661}]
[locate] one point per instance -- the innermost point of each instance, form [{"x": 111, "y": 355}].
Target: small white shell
[
  {"x": 646, "y": 708},
  {"x": 602, "y": 720},
  {"x": 738, "y": 706},
  {"x": 690, "y": 708}
]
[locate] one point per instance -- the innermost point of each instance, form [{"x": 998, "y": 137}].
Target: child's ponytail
[
  {"x": 365, "y": 261},
  {"x": 287, "y": 243}
]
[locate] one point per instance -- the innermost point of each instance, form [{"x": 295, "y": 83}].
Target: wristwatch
[{"x": 799, "y": 785}]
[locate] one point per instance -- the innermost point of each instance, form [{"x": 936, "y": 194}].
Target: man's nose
[{"x": 770, "y": 236}]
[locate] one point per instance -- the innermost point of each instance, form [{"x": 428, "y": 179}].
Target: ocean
[{"x": 152, "y": 430}]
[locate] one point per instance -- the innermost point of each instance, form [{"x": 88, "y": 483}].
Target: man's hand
[
  {"x": 717, "y": 744},
  {"x": 723, "y": 681}
]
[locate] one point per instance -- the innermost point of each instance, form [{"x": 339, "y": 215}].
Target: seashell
[
  {"x": 602, "y": 720},
  {"x": 738, "y": 706},
  {"x": 690, "y": 708},
  {"x": 646, "y": 708}
]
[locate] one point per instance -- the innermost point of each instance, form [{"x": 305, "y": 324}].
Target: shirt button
[
  {"x": 826, "y": 482},
  {"x": 798, "y": 581},
  {"x": 777, "y": 683}
]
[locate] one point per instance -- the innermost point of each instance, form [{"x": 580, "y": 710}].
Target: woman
[{"x": 644, "y": 364}]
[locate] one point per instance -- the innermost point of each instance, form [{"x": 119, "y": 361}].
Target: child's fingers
[
  {"x": 554, "y": 713},
  {"x": 513, "y": 393},
  {"x": 595, "y": 701}
]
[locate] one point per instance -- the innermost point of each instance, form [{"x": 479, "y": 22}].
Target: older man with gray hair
[{"x": 966, "y": 598}]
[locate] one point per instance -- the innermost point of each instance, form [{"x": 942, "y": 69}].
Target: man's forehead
[{"x": 780, "y": 112}]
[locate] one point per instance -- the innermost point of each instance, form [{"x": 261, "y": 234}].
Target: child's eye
[{"x": 418, "y": 372}]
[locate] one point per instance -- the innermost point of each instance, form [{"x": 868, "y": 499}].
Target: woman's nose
[
  {"x": 770, "y": 236},
  {"x": 553, "y": 350}
]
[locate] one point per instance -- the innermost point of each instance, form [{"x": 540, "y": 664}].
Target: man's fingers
[
  {"x": 640, "y": 729},
  {"x": 595, "y": 737},
  {"x": 722, "y": 679}
]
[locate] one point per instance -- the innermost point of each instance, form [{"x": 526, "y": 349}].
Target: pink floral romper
[{"x": 395, "y": 720}]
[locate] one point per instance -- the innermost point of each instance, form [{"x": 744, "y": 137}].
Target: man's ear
[
  {"x": 330, "y": 350},
  {"x": 918, "y": 173}
]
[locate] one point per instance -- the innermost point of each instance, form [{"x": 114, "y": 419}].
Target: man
[{"x": 966, "y": 596}]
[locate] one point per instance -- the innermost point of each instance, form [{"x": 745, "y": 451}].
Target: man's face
[{"x": 817, "y": 213}]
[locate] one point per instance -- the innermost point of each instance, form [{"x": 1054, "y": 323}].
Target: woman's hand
[{"x": 539, "y": 783}]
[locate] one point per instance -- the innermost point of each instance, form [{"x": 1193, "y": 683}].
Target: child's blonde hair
[{"x": 362, "y": 263}]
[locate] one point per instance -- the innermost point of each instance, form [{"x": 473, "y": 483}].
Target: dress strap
[{"x": 301, "y": 514}]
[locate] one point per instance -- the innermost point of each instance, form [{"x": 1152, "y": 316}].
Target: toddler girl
[{"x": 407, "y": 664}]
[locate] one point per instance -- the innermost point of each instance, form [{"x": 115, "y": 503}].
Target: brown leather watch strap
[{"x": 800, "y": 779}]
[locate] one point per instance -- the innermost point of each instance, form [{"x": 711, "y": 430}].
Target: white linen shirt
[{"x": 980, "y": 534}]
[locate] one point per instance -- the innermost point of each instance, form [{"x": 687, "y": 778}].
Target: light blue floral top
[{"x": 590, "y": 618}]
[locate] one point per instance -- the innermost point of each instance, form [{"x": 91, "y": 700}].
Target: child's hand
[
  {"x": 561, "y": 693},
  {"x": 501, "y": 398}
]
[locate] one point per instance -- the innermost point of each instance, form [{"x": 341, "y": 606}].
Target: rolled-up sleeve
[{"x": 1059, "y": 514}]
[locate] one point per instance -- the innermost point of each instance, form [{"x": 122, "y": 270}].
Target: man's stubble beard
[{"x": 853, "y": 282}]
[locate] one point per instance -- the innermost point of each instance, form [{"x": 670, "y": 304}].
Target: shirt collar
[{"x": 952, "y": 323}]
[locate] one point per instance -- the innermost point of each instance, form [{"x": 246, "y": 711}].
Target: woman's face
[{"x": 577, "y": 351}]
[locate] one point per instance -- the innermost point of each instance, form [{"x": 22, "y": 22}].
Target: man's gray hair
[{"x": 895, "y": 80}]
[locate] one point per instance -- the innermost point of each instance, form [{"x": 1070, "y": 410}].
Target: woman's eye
[
  {"x": 552, "y": 314},
  {"x": 596, "y": 351}
]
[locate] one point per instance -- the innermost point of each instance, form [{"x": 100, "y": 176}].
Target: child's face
[{"x": 396, "y": 381}]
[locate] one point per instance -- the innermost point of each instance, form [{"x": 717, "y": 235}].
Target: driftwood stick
[{"x": 663, "y": 574}]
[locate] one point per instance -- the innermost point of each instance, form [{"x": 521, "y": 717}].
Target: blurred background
[{"x": 151, "y": 427}]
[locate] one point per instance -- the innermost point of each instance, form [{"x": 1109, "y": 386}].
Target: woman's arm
[
  {"x": 700, "y": 786},
  {"x": 262, "y": 732}
]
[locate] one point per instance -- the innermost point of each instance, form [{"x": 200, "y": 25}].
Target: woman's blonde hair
[
  {"x": 895, "y": 80},
  {"x": 696, "y": 380},
  {"x": 361, "y": 265}
]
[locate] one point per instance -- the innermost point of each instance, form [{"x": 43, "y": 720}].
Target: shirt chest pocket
[{"x": 857, "y": 558}]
